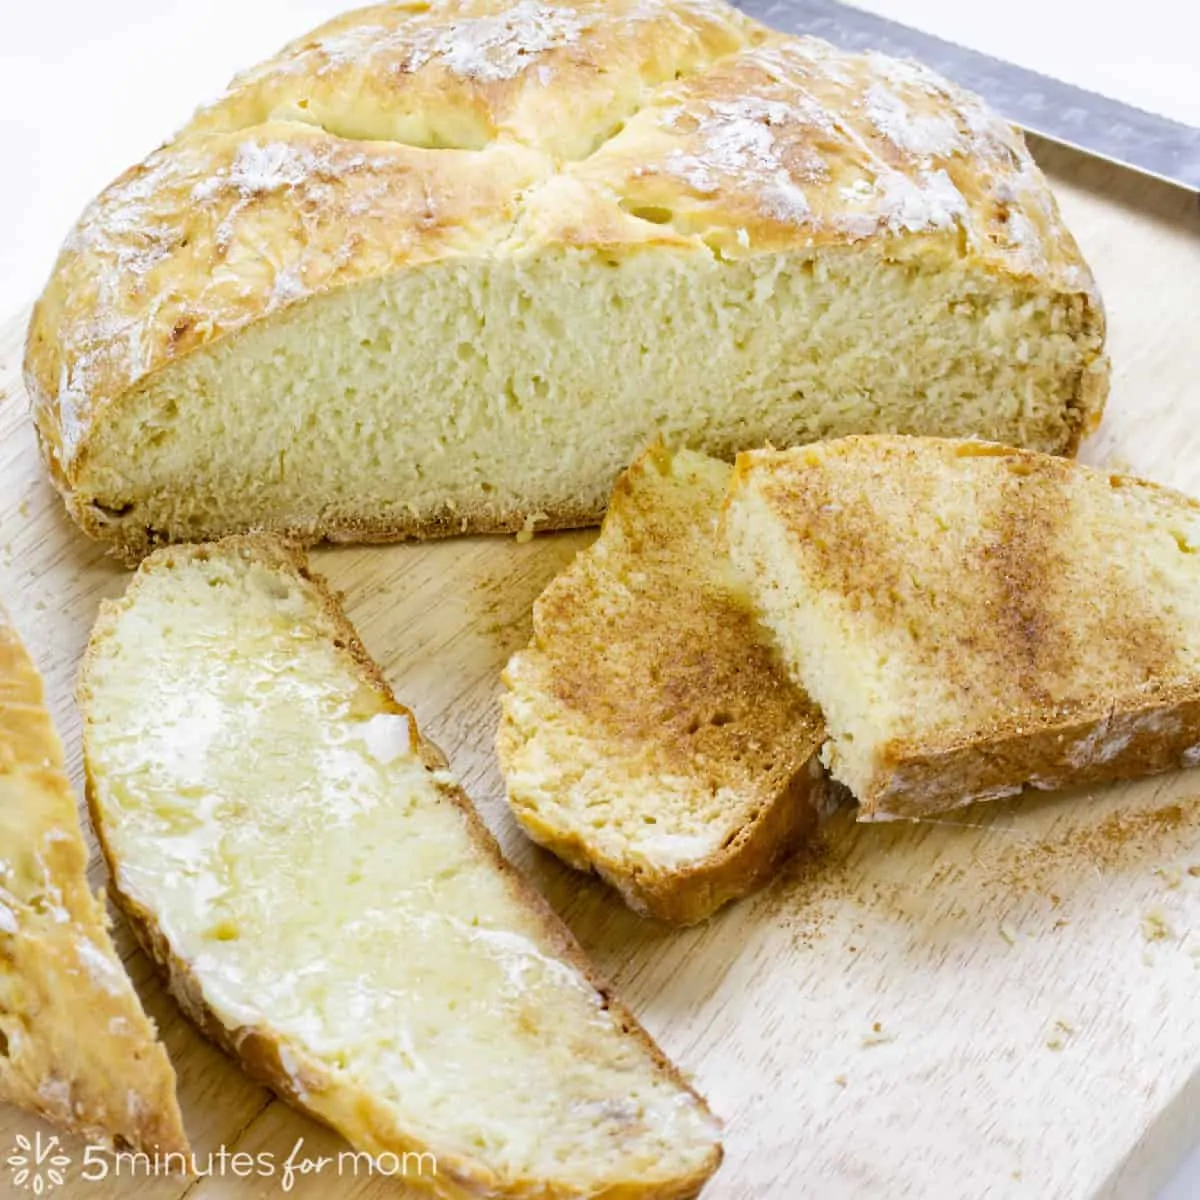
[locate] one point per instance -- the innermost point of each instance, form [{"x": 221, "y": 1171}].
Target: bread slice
[
  {"x": 973, "y": 619},
  {"x": 75, "y": 1045},
  {"x": 647, "y": 732},
  {"x": 328, "y": 907},
  {"x": 448, "y": 267}
]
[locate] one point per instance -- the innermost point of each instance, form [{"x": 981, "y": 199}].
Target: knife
[{"x": 1154, "y": 145}]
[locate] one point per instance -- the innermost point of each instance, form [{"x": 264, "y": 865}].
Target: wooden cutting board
[{"x": 1004, "y": 1003}]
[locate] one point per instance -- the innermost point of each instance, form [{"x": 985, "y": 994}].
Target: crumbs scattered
[
  {"x": 840, "y": 1080},
  {"x": 526, "y": 532},
  {"x": 811, "y": 888},
  {"x": 23, "y": 508},
  {"x": 877, "y": 1037},
  {"x": 834, "y": 883},
  {"x": 1172, "y": 877},
  {"x": 1118, "y": 839},
  {"x": 1155, "y": 927}
]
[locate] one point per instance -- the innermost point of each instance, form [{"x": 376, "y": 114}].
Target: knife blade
[{"x": 1120, "y": 133}]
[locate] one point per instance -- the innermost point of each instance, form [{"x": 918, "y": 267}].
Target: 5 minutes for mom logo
[{"x": 37, "y": 1164}]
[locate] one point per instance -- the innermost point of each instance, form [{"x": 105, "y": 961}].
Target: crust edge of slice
[{"x": 137, "y": 1065}]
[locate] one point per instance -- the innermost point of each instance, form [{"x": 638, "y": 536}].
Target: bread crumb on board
[
  {"x": 1008, "y": 933},
  {"x": 526, "y": 532},
  {"x": 877, "y": 1037},
  {"x": 840, "y": 1080},
  {"x": 1155, "y": 927},
  {"x": 1172, "y": 877},
  {"x": 1062, "y": 1032}
]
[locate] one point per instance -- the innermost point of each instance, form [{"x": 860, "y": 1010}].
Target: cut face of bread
[
  {"x": 973, "y": 619},
  {"x": 75, "y": 1045},
  {"x": 648, "y": 732},
  {"x": 449, "y": 267},
  {"x": 328, "y": 906}
]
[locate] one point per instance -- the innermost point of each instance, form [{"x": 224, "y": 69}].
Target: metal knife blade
[{"x": 1154, "y": 145}]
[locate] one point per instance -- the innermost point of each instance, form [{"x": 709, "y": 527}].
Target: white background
[{"x": 87, "y": 87}]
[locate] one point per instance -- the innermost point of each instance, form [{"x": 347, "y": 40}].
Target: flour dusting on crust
[
  {"x": 499, "y": 47},
  {"x": 736, "y": 140},
  {"x": 922, "y": 134},
  {"x": 769, "y": 142}
]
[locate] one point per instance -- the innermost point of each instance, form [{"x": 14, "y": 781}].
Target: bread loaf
[
  {"x": 75, "y": 1045},
  {"x": 973, "y": 619},
  {"x": 329, "y": 908},
  {"x": 648, "y": 732},
  {"x": 449, "y": 267}
]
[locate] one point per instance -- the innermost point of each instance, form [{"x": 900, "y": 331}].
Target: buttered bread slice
[
  {"x": 973, "y": 619},
  {"x": 75, "y": 1045},
  {"x": 329, "y": 908},
  {"x": 648, "y": 732}
]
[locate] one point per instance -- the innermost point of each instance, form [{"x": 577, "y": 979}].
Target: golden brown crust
[
  {"x": 643, "y": 650},
  {"x": 132, "y": 544},
  {"x": 1104, "y": 744},
  {"x": 691, "y": 895},
  {"x": 75, "y": 1044},
  {"x": 403, "y": 135},
  {"x": 258, "y": 1053}
]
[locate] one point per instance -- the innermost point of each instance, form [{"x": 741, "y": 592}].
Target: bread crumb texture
[
  {"x": 648, "y": 731},
  {"x": 437, "y": 267},
  {"x": 973, "y": 619},
  {"x": 328, "y": 906}
]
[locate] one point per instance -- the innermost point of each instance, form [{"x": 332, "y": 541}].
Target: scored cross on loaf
[{"x": 445, "y": 267}]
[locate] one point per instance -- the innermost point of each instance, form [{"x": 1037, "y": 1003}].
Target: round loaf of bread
[{"x": 446, "y": 267}]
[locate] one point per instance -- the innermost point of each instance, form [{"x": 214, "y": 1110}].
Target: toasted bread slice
[
  {"x": 329, "y": 908},
  {"x": 648, "y": 731},
  {"x": 973, "y": 619},
  {"x": 75, "y": 1045}
]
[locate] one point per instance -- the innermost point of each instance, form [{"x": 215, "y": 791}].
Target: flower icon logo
[{"x": 37, "y": 1166}]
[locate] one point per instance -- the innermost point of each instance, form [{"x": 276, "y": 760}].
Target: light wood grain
[{"x": 955, "y": 1009}]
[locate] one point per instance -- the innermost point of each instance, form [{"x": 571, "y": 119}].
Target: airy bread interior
[
  {"x": 317, "y": 884},
  {"x": 492, "y": 393},
  {"x": 647, "y": 732},
  {"x": 973, "y": 618}
]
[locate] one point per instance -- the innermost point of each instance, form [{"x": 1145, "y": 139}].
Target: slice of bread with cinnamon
[
  {"x": 329, "y": 908},
  {"x": 975, "y": 619},
  {"x": 648, "y": 732},
  {"x": 75, "y": 1045}
]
